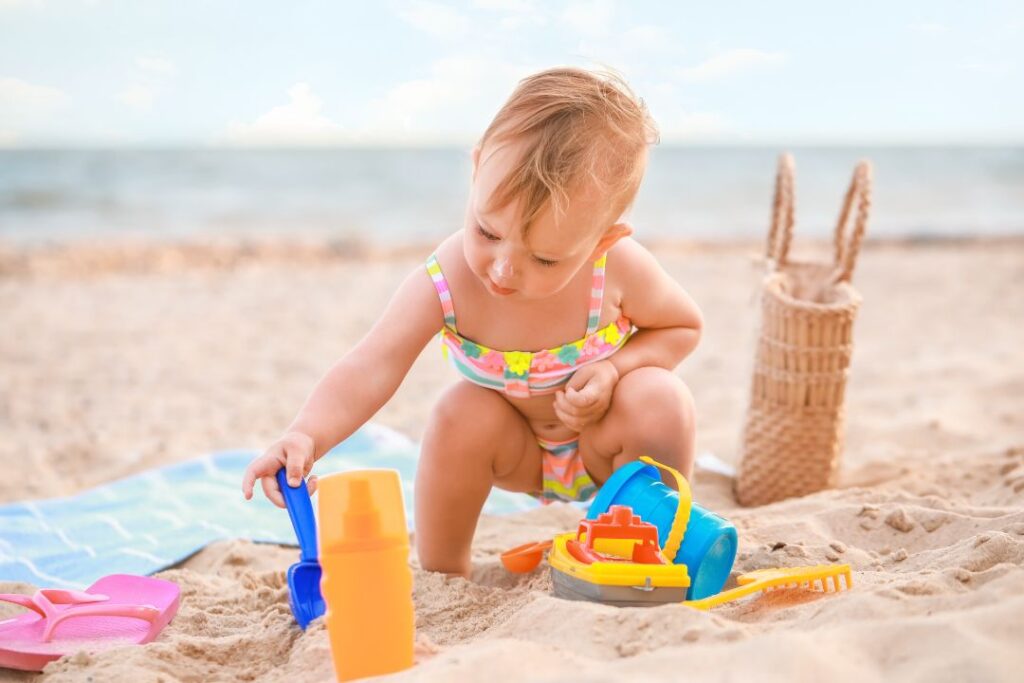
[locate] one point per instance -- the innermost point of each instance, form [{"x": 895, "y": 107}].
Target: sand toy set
[{"x": 644, "y": 543}]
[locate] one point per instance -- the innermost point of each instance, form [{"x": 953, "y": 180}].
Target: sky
[{"x": 157, "y": 73}]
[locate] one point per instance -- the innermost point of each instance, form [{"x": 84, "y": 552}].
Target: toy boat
[{"x": 616, "y": 559}]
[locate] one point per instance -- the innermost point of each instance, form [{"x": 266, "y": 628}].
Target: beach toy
[
  {"x": 525, "y": 558},
  {"x": 303, "y": 576},
  {"x": 688, "y": 533},
  {"x": 364, "y": 552},
  {"x": 117, "y": 610},
  {"x": 616, "y": 560},
  {"x": 825, "y": 578}
]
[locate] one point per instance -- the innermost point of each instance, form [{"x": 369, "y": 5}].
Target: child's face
[{"x": 542, "y": 263}]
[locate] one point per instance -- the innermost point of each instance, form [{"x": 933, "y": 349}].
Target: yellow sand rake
[{"x": 826, "y": 578}]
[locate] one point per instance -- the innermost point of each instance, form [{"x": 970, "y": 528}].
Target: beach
[{"x": 118, "y": 357}]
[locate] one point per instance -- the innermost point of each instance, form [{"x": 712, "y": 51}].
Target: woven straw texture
[{"x": 793, "y": 435}]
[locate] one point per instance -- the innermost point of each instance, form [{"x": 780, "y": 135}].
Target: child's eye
[
  {"x": 487, "y": 235},
  {"x": 545, "y": 262}
]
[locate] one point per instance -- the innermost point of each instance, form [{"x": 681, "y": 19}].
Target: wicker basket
[{"x": 793, "y": 436}]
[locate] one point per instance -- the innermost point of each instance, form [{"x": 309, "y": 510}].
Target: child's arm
[
  {"x": 355, "y": 388},
  {"x": 668, "y": 321},
  {"x": 669, "y": 326}
]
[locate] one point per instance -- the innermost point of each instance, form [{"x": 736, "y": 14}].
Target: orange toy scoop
[{"x": 525, "y": 558}]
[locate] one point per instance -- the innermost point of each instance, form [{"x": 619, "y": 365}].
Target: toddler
[{"x": 564, "y": 328}]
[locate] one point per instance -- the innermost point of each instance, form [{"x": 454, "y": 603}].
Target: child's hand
[
  {"x": 293, "y": 451},
  {"x": 587, "y": 395}
]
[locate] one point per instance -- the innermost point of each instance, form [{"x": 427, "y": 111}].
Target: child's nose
[{"x": 502, "y": 269}]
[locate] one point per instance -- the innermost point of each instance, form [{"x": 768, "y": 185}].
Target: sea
[{"x": 393, "y": 196}]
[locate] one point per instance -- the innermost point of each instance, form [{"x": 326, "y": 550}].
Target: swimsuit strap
[
  {"x": 596, "y": 295},
  {"x": 443, "y": 293}
]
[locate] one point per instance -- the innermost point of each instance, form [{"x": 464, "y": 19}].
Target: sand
[{"x": 117, "y": 359}]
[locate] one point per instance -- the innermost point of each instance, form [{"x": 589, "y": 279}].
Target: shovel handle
[{"x": 300, "y": 510}]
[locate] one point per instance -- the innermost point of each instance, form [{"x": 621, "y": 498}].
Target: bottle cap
[{"x": 361, "y": 510}]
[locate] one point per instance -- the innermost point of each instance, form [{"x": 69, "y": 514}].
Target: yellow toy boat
[{"x": 616, "y": 560}]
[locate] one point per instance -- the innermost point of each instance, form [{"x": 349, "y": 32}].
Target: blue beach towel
[{"x": 153, "y": 520}]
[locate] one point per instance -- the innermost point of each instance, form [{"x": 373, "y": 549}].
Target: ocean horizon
[{"x": 391, "y": 196}]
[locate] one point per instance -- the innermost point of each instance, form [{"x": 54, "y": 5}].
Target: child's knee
[
  {"x": 465, "y": 410},
  {"x": 466, "y": 420},
  {"x": 655, "y": 398}
]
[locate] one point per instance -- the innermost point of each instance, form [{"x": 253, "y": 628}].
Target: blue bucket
[{"x": 709, "y": 543}]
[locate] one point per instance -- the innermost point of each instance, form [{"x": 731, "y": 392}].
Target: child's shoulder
[
  {"x": 628, "y": 259},
  {"x": 450, "y": 256}
]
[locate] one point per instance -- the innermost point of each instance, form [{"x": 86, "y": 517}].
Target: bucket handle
[{"x": 682, "y": 517}]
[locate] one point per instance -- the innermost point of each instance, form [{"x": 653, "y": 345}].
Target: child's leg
[
  {"x": 652, "y": 414},
  {"x": 475, "y": 440}
]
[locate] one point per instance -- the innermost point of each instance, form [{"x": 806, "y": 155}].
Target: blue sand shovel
[{"x": 303, "y": 576}]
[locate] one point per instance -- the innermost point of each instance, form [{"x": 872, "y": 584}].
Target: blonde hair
[{"x": 578, "y": 126}]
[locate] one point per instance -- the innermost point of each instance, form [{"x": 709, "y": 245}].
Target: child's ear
[{"x": 610, "y": 237}]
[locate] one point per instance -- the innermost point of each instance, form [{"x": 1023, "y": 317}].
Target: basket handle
[
  {"x": 846, "y": 251},
  {"x": 783, "y": 211}
]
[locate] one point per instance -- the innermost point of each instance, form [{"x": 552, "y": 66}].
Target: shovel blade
[{"x": 304, "y": 592}]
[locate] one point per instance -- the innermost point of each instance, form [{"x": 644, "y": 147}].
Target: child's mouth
[{"x": 500, "y": 291}]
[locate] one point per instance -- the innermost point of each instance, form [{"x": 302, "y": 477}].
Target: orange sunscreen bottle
[{"x": 367, "y": 583}]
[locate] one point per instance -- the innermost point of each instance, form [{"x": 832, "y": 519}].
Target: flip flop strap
[
  {"x": 52, "y": 596},
  {"x": 21, "y": 601},
  {"x": 82, "y": 604}
]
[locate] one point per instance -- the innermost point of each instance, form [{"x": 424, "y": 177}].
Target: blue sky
[{"x": 185, "y": 72}]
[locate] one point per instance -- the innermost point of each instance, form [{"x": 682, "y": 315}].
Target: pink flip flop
[{"x": 117, "y": 610}]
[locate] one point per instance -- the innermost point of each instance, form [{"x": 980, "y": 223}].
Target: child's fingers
[
  {"x": 295, "y": 466},
  {"x": 271, "y": 491},
  {"x": 582, "y": 414},
  {"x": 581, "y": 398},
  {"x": 565, "y": 411},
  {"x": 248, "y": 481},
  {"x": 256, "y": 469},
  {"x": 311, "y": 484},
  {"x": 569, "y": 420}
]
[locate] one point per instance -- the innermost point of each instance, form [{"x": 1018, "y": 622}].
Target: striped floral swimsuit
[{"x": 522, "y": 374}]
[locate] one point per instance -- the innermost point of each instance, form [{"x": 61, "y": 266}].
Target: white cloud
[
  {"x": 694, "y": 125},
  {"x": 929, "y": 27},
  {"x": 26, "y": 106},
  {"x": 157, "y": 65},
  {"x": 434, "y": 18},
  {"x": 729, "y": 63},
  {"x": 647, "y": 37},
  {"x": 300, "y": 122},
  {"x": 589, "y": 18},
  {"x": 516, "y": 21},
  {"x": 155, "y": 73},
  {"x": 642, "y": 49},
  {"x": 15, "y": 92},
  {"x": 507, "y": 5},
  {"x": 983, "y": 66},
  {"x": 461, "y": 94},
  {"x": 140, "y": 96},
  {"x": 515, "y": 13},
  {"x": 20, "y": 97}
]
